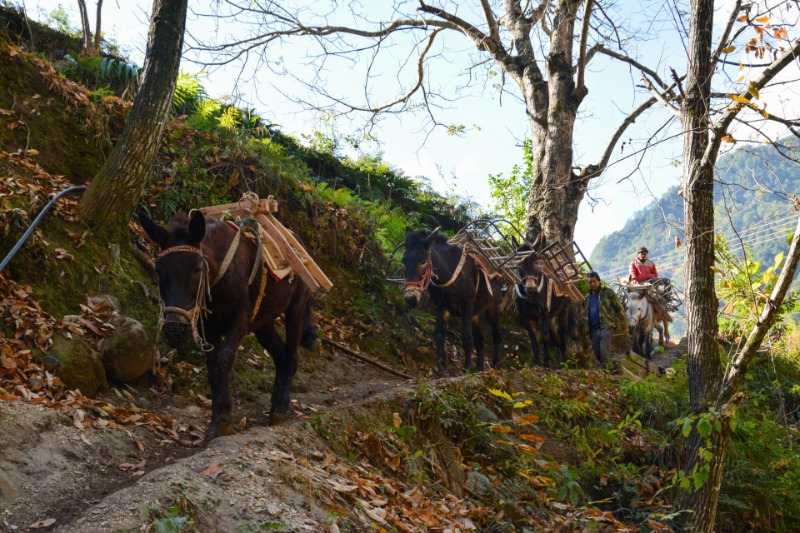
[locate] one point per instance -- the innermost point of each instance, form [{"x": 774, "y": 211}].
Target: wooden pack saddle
[{"x": 281, "y": 250}]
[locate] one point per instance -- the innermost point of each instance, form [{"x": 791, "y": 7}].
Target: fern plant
[{"x": 189, "y": 92}]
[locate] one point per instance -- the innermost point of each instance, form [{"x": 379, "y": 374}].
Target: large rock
[
  {"x": 77, "y": 364},
  {"x": 635, "y": 367},
  {"x": 128, "y": 352}
]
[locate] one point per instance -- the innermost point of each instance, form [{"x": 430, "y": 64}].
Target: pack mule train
[
  {"x": 215, "y": 288},
  {"x": 540, "y": 308},
  {"x": 457, "y": 285}
]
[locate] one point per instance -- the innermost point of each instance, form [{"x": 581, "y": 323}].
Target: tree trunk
[
  {"x": 704, "y": 370},
  {"x": 85, "y": 29},
  {"x": 97, "y": 32},
  {"x": 114, "y": 193},
  {"x": 556, "y": 192}
]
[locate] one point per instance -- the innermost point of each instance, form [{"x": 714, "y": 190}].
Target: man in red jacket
[{"x": 642, "y": 269}]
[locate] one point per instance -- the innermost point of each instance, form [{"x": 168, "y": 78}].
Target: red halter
[{"x": 424, "y": 281}]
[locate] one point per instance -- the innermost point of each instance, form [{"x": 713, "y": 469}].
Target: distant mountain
[{"x": 753, "y": 197}]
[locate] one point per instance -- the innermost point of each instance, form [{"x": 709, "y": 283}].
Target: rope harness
[
  {"x": 179, "y": 333},
  {"x": 422, "y": 285},
  {"x": 427, "y": 277},
  {"x": 176, "y": 333}
]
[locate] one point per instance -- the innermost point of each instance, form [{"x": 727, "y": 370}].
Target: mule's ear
[
  {"x": 432, "y": 236},
  {"x": 409, "y": 230},
  {"x": 197, "y": 228},
  {"x": 156, "y": 233}
]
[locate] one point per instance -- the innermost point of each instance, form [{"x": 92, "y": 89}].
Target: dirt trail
[{"x": 87, "y": 480}]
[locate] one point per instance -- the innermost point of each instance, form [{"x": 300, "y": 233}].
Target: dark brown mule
[
  {"x": 540, "y": 309},
  {"x": 216, "y": 314},
  {"x": 456, "y": 285}
]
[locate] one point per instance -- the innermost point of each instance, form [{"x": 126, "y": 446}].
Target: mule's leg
[
  {"x": 660, "y": 329},
  {"x": 497, "y": 336},
  {"x": 636, "y": 339},
  {"x": 219, "y": 363},
  {"x": 544, "y": 331},
  {"x": 648, "y": 344},
  {"x": 530, "y": 327},
  {"x": 560, "y": 333},
  {"x": 285, "y": 368},
  {"x": 439, "y": 333},
  {"x": 466, "y": 336},
  {"x": 666, "y": 330},
  {"x": 477, "y": 339},
  {"x": 295, "y": 320}
]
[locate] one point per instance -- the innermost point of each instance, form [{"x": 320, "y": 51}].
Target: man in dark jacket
[{"x": 602, "y": 313}]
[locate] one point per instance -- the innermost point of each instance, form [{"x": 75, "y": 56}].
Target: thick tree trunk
[
  {"x": 556, "y": 191},
  {"x": 114, "y": 193},
  {"x": 704, "y": 365}
]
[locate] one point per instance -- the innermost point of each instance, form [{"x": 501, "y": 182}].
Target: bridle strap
[
  {"x": 228, "y": 257},
  {"x": 425, "y": 280},
  {"x": 196, "y": 313},
  {"x": 455, "y": 273},
  {"x": 181, "y": 248}
]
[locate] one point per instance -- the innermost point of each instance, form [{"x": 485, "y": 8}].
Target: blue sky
[{"x": 490, "y": 147}]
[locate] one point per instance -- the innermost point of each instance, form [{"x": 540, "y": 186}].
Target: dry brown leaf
[
  {"x": 41, "y": 524},
  {"x": 531, "y": 438},
  {"x": 212, "y": 471},
  {"x": 342, "y": 488}
]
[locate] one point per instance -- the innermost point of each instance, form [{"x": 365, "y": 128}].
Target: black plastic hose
[{"x": 35, "y": 222}]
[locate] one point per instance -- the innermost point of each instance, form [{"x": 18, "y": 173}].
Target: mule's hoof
[
  {"x": 218, "y": 430},
  {"x": 276, "y": 419}
]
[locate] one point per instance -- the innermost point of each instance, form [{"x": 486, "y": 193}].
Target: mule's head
[
  {"x": 637, "y": 308},
  {"x": 182, "y": 272},
  {"x": 530, "y": 274},
  {"x": 417, "y": 264}
]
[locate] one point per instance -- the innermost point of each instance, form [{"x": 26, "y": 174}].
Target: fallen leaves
[{"x": 22, "y": 378}]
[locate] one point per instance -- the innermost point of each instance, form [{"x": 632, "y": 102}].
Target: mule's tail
[{"x": 308, "y": 338}]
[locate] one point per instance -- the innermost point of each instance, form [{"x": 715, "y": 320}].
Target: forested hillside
[{"x": 754, "y": 202}]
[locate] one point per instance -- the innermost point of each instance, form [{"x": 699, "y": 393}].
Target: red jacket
[{"x": 642, "y": 270}]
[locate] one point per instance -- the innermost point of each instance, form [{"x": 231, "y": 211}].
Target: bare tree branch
[
  {"x": 662, "y": 98},
  {"x": 481, "y": 40},
  {"x": 759, "y": 83},
  {"x": 587, "y": 15},
  {"x": 630, "y": 119},
  {"x": 634, "y": 63},
  {"x": 494, "y": 33}
]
